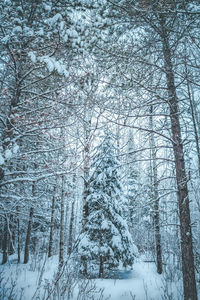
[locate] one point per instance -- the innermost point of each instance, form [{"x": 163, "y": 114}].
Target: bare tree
[{"x": 155, "y": 197}]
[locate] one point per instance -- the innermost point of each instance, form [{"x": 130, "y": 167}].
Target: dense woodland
[{"x": 100, "y": 136}]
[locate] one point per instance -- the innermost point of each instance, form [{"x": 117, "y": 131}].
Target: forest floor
[{"x": 142, "y": 283}]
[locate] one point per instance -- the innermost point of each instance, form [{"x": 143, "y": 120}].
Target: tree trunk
[
  {"x": 11, "y": 235},
  {"x": 71, "y": 230},
  {"x": 85, "y": 206},
  {"x": 101, "y": 266},
  {"x": 156, "y": 217},
  {"x": 5, "y": 241},
  {"x": 193, "y": 117},
  {"x": 188, "y": 270},
  {"x": 86, "y": 168},
  {"x": 52, "y": 224},
  {"x": 62, "y": 211},
  {"x": 157, "y": 237},
  {"x": 87, "y": 131},
  {"x": 28, "y": 237},
  {"x": 86, "y": 177},
  {"x": 18, "y": 237}
]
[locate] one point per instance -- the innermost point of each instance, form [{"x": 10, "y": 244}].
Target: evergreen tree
[{"x": 106, "y": 240}]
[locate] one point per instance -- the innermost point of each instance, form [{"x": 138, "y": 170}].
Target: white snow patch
[
  {"x": 54, "y": 65},
  {"x": 54, "y": 19},
  {"x": 15, "y": 148},
  {"x": 144, "y": 283},
  {"x": 5, "y": 40},
  {"x": 1, "y": 159},
  {"x": 32, "y": 57},
  {"x": 116, "y": 241},
  {"x": 8, "y": 154},
  {"x": 47, "y": 7},
  {"x": 17, "y": 29},
  {"x": 105, "y": 225}
]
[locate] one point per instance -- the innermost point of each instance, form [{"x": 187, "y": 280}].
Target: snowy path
[{"x": 144, "y": 283}]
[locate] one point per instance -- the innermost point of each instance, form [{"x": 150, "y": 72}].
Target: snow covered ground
[{"x": 143, "y": 283}]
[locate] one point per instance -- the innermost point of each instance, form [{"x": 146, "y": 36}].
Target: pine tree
[{"x": 106, "y": 241}]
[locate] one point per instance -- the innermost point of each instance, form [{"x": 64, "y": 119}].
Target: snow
[
  {"x": 15, "y": 148},
  {"x": 40, "y": 32},
  {"x": 29, "y": 31},
  {"x": 54, "y": 19},
  {"x": 142, "y": 283},
  {"x": 5, "y": 40},
  {"x": 84, "y": 241},
  {"x": 49, "y": 63},
  {"x": 1, "y": 159},
  {"x": 116, "y": 241},
  {"x": 17, "y": 29},
  {"x": 47, "y": 7},
  {"x": 8, "y": 154},
  {"x": 62, "y": 25},
  {"x": 27, "y": 277},
  {"x": 143, "y": 280},
  {"x": 54, "y": 65},
  {"x": 105, "y": 225},
  {"x": 32, "y": 57},
  {"x": 135, "y": 250}
]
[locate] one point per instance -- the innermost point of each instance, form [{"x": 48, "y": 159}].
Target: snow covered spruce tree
[{"x": 105, "y": 241}]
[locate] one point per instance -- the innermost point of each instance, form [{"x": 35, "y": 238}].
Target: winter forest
[{"x": 99, "y": 149}]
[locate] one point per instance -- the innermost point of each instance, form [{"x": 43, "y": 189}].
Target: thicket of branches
[{"x": 68, "y": 69}]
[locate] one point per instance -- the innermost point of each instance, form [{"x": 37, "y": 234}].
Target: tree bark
[
  {"x": 28, "y": 236},
  {"x": 188, "y": 270},
  {"x": 155, "y": 195},
  {"x": 101, "y": 269},
  {"x": 5, "y": 241},
  {"x": 62, "y": 211},
  {"x": 157, "y": 237},
  {"x": 70, "y": 243},
  {"x": 18, "y": 237},
  {"x": 86, "y": 178},
  {"x": 87, "y": 129},
  {"x": 193, "y": 117},
  {"x": 11, "y": 235},
  {"x": 52, "y": 225}
]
